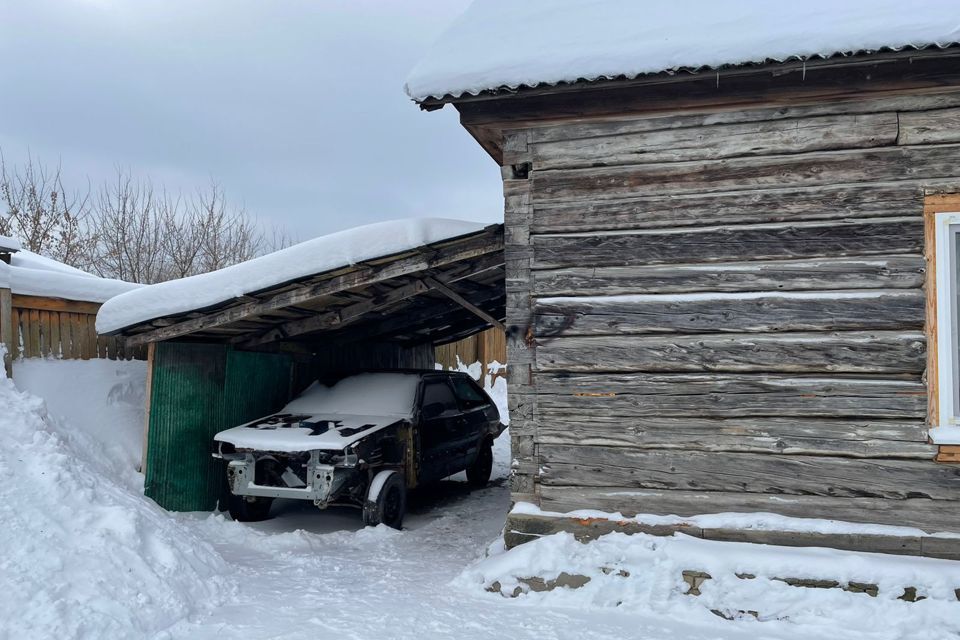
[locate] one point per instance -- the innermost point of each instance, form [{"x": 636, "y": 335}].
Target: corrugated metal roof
[{"x": 502, "y": 46}]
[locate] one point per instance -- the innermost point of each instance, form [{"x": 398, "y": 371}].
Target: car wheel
[
  {"x": 249, "y": 508},
  {"x": 478, "y": 473},
  {"x": 386, "y": 500}
]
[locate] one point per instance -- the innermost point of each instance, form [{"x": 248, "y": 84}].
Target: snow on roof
[
  {"x": 30, "y": 274},
  {"x": 8, "y": 244},
  {"x": 499, "y": 44},
  {"x": 325, "y": 253}
]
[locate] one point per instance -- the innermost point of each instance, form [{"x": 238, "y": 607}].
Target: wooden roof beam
[
  {"x": 463, "y": 302},
  {"x": 487, "y": 242}
]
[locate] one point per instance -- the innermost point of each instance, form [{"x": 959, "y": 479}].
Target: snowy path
[{"x": 306, "y": 574}]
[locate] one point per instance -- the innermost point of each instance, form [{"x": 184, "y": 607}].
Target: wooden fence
[
  {"x": 41, "y": 327},
  {"x": 485, "y": 347}
]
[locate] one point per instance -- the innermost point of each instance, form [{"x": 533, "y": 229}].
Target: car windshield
[{"x": 371, "y": 394}]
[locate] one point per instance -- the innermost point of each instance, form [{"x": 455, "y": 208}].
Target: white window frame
[{"x": 947, "y": 238}]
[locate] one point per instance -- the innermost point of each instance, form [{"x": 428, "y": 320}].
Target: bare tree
[
  {"x": 128, "y": 229},
  {"x": 41, "y": 214}
]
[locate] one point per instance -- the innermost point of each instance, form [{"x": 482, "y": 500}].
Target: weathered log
[
  {"x": 856, "y": 438},
  {"x": 849, "y": 352},
  {"x": 729, "y": 395},
  {"x": 763, "y": 312},
  {"x": 787, "y": 204},
  {"x": 932, "y": 516},
  {"x": 720, "y": 141},
  {"x": 593, "y": 128},
  {"x": 914, "y": 163},
  {"x": 930, "y": 127},
  {"x": 886, "y": 272},
  {"x": 718, "y": 244},
  {"x": 747, "y": 472}
]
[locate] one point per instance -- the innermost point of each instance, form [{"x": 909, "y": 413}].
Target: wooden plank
[
  {"x": 32, "y": 348},
  {"x": 7, "y": 332},
  {"x": 932, "y": 516},
  {"x": 57, "y": 349},
  {"x": 55, "y": 304},
  {"x": 761, "y": 312},
  {"x": 882, "y": 272},
  {"x": 788, "y": 204},
  {"x": 623, "y": 124},
  {"x": 855, "y": 438},
  {"x": 747, "y": 472},
  {"x": 66, "y": 337},
  {"x": 148, "y": 395},
  {"x": 490, "y": 241},
  {"x": 76, "y": 336},
  {"x": 948, "y": 453},
  {"x": 929, "y": 127},
  {"x": 730, "y": 395},
  {"x": 720, "y": 141},
  {"x": 848, "y": 352},
  {"x": 916, "y": 163},
  {"x": 90, "y": 334},
  {"x": 860, "y": 237},
  {"x": 435, "y": 284}
]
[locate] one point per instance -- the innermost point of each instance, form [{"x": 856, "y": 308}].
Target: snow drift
[
  {"x": 642, "y": 574},
  {"x": 84, "y": 555}
]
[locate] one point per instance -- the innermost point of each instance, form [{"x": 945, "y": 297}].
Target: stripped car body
[{"x": 331, "y": 444}]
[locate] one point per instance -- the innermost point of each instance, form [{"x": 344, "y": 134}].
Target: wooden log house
[{"x": 730, "y": 287}]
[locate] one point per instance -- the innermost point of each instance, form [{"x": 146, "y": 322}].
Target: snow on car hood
[{"x": 286, "y": 432}]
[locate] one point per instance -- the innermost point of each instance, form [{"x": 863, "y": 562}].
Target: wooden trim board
[{"x": 932, "y": 205}]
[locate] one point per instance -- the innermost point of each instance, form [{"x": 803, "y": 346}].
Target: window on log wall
[{"x": 943, "y": 316}]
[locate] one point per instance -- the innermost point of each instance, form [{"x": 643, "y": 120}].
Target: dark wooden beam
[
  {"x": 429, "y": 257},
  {"x": 463, "y": 302}
]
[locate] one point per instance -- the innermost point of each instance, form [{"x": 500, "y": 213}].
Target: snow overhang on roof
[
  {"x": 497, "y": 45},
  {"x": 9, "y": 245},
  {"x": 390, "y": 280}
]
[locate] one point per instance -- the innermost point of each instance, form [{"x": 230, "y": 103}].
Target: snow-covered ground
[{"x": 87, "y": 556}]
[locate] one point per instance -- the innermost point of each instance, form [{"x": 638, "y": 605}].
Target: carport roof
[{"x": 416, "y": 281}]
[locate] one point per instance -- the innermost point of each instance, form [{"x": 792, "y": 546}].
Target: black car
[{"x": 363, "y": 442}]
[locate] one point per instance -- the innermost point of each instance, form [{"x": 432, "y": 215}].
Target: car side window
[
  {"x": 469, "y": 396},
  {"x": 438, "y": 396}
]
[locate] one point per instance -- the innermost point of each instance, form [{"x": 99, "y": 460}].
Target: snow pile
[
  {"x": 551, "y": 41},
  {"x": 325, "y": 253},
  {"x": 8, "y": 244},
  {"x": 96, "y": 405},
  {"x": 642, "y": 574},
  {"x": 34, "y": 275},
  {"x": 84, "y": 556}
]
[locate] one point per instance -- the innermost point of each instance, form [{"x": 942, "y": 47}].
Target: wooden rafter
[
  {"x": 351, "y": 313},
  {"x": 489, "y": 242},
  {"x": 463, "y": 302}
]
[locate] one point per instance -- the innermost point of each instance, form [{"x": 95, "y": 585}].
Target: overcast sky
[{"x": 295, "y": 106}]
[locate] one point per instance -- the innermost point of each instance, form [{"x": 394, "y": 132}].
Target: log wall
[{"x": 718, "y": 312}]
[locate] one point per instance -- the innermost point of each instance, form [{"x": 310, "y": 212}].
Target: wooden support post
[
  {"x": 151, "y": 348},
  {"x": 6, "y": 330},
  {"x": 433, "y": 283}
]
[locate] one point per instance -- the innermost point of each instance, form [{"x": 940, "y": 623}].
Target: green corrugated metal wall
[{"x": 196, "y": 391}]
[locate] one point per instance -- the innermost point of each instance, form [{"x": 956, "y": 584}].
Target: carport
[{"x": 230, "y": 346}]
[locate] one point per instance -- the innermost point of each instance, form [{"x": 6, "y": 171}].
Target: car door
[
  {"x": 473, "y": 424},
  {"x": 439, "y": 413}
]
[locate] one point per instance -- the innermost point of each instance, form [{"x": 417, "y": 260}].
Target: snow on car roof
[
  {"x": 372, "y": 394},
  {"x": 326, "y": 253},
  {"x": 500, "y": 44}
]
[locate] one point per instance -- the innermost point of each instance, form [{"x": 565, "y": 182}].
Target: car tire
[
  {"x": 478, "y": 473},
  {"x": 386, "y": 500},
  {"x": 249, "y": 508}
]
